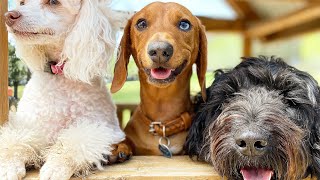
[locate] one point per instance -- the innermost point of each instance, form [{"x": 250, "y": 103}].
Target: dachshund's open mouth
[
  {"x": 161, "y": 73},
  {"x": 256, "y": 173},
  {"x": 164, "y": 75}
]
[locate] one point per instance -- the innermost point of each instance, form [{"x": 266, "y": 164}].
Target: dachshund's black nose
[
  {"x": 12, "y": 17},
  {"x": 251, "y": 144},
  {"x": 160, "y": 51}
]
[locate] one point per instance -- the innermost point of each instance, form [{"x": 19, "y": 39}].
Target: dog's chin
[
  {"x": 163, "y": 76},
  {"x": 253, "y": 173},
  {"x": 31, "y": 35}
]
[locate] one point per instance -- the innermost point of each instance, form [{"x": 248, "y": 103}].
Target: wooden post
[
  {"x": 4, "y": 105},
  {"x": 247, "y": 47}
]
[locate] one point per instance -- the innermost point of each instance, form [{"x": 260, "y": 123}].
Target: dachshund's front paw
[
  {"x": 55, "y": 170},
  {"x": 12, "y": 170},
  {"x": 120, "y": 153}
]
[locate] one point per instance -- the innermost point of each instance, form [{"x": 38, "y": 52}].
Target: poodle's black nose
[
  {"x": 251, "y": 144},
  {"x": 12, "y": 17}
]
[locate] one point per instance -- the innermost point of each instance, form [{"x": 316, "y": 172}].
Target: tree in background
[{"x": 18, "y": 72}]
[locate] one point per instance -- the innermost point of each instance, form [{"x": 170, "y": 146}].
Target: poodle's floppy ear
[
  {"x": 90, "y": 43},
  {"x": 124, "y": 53},
  {"x": 201, "y": 61}
]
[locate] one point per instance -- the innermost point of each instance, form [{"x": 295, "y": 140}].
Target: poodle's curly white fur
[{"x": 68, "y": 122}]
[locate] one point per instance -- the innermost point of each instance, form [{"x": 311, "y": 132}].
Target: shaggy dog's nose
[
  {"x": 160, "y": 51},
  {"x": 251, "y": 144},
  {"x": 12, "y": 17}
]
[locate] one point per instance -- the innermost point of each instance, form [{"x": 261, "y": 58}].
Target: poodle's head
[
  {"x": 41, "y": 22},
  {"x": 79, "y": 33}
]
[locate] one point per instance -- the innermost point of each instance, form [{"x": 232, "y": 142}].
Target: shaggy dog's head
[
  {"x": 260, "y": 121},
  {"x": 79, "y": 33}
]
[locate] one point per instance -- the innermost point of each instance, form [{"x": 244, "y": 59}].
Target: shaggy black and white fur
[{"x": 261, "y": 120}]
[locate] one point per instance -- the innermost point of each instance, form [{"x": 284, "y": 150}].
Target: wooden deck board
[
  {"x": 152, "y": 167},
  {"x": 155, "y": 168}
]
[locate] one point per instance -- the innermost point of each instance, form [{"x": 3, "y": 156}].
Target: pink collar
[{"x": 56, "y": 68}]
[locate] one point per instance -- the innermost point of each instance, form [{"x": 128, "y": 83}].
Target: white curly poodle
[{"x": 66, "y": 118}]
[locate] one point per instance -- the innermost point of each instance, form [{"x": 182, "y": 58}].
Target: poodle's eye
[
  {"x": 21, "y": 3},
  {"x": 184, "y": 25},
  {"x": 53, "y": 2},
  {"x": 141, "y": 24}
]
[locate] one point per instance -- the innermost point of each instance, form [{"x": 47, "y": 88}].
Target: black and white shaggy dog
[{"x": 261, "y": 121}]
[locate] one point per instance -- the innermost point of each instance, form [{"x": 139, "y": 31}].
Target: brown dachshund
[{"x": 165, "y": 40}]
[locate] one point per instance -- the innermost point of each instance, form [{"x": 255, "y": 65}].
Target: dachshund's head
[{"x": 165, "y": 40}]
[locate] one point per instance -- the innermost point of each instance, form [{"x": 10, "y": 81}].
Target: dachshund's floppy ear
[
  {"x": 201, "y": 61},
  {"x": 90, "y": 44},
  {"x": 124, "y": 53}
]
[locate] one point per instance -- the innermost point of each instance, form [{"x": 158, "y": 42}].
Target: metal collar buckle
[{"x": 153, "y": 131}]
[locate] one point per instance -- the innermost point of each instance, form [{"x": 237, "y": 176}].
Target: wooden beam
[
  {"x": 221, "y": 24},
  {"x": 285, "y": 22},
  {"x": 293, "y": 32},
  {"x": 4, "y": 105},
  {"x": 247, "y": 47},
  {"x": 293, "y": 1},
  {"x": 243, "y": 10}
]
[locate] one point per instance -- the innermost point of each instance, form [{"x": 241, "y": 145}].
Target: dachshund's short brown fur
[{"x": 159, "y": 39}]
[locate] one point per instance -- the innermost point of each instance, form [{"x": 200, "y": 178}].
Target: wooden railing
[{"x": 124, "y": 112}]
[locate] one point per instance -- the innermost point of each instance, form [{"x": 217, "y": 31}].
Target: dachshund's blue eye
[
  {"x": 53, "y": 2},
  {"x": 184, "y": 25},
  {"x": 141, "y": 24}
]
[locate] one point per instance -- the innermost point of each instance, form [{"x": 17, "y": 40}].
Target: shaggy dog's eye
[
  {"x": 141, "y": 24},
  {"x": 184, "y": 25},
  {"x": 53, "y": 2},
  {"x": 21, "y": 3}
]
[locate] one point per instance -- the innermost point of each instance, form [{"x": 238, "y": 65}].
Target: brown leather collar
[{"x": 168, "y": 127}]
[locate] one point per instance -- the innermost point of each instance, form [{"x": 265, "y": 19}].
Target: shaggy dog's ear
[
  {"x": 315, "y": 131},
  {"x": 90, "y": 43},
  {"x": 205, "y": 114},
  {"x": 194, "y": 141},
  {"x": 315, "y": 151},
  {"x": 315, "y": 142},
  {"x": 312, "y": 110}
]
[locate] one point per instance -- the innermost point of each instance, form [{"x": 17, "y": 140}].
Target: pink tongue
[
  {"x": 160, "y": 73},
  {"x": 256, "y": 174}
]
